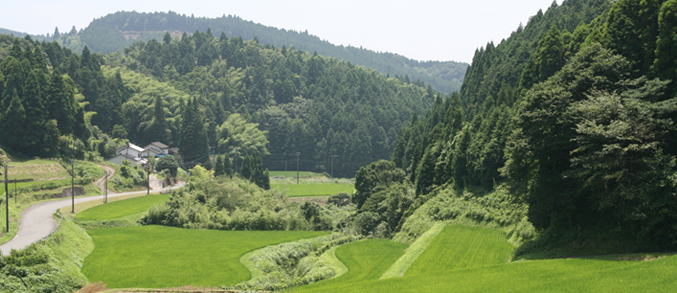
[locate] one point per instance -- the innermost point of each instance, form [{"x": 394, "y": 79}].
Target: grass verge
[{"x": 51, "y": 265}]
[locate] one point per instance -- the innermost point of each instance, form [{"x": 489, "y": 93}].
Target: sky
[{"x": 423, "y": 29}]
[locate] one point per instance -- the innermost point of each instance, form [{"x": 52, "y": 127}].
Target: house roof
[
  {"x": 158, "y": 144},
  {"x": 131, "y": 146}
]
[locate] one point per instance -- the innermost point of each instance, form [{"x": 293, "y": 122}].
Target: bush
[
  {"x": 237, "y": 204},
  {"x": 498, "y": 209},
  {"x": 293, "y": 264}
]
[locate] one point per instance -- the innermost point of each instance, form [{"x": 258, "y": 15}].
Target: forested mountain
[
  {"x": 226, "y": 96},
  {"x": 121, "y": 29},
  {"x": 575, "y": 113}
]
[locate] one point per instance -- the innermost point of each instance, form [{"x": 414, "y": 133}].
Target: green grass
[
  {"x": 314, "y": 189},
  {"x": 464, "y": 259},
  {"x": 366, "y": 260},
  {"x": 158, "y": 257},
  {"x": 413, "y": 252},
  {"x": 460, "y": 247},
  {"x": 38, "y": 170},
  {"x": 292, "y": 174},
  {"x": 122, "y": 208}
]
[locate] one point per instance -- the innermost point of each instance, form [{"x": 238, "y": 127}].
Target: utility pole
[
  {"x": 6, "y": 200},
  {"x": 297, "y": 167},
  {"x": 332, "y": 165},
  {"x": 105, "y": 189},
  {"x": 148, "y": 172},
  {"x": 73, "y": 178}
]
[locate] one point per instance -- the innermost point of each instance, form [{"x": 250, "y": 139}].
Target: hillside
[
  {"x": 119, "y": 30},
  {"x": 227, "y": 96},
  {"x": 574, "y": 114}
]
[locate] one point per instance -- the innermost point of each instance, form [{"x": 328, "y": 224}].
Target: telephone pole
[
  {"x": 73, "y": 179},
  {"x": 332, "y": 165},
  {"x": 6, "y": 200},
  {"x": 297, "y": 167},
  {"x": 105, "y": 189}
]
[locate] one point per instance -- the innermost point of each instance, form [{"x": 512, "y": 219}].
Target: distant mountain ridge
[{"x": 118, "y": 30}]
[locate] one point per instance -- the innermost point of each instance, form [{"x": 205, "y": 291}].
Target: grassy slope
[
  {"x": 156, "y": 256},
  {"x": 459, "y": 247},
  {"x": 122, "y": 208},
  {"x": 478, "y": 263},
  {"x": 366, "y": 260},
  {"x": 65, "y": 250}
]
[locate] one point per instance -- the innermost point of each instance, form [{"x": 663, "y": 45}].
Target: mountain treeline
[
  {"x": 211, "y": 95},
  {"x": 251, "y": 94},
  {"x": 121, "y": 29},
  {"x": 575, "y": 114},
  {"x": 38, "y": 102}
]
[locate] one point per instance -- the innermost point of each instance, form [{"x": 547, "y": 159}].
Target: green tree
[
  {"x": 13, "y": 126},
  {"x": 665, "y": 65},
  {"x": 194, "y": 144},
  {"x": 236, "y": 133},
  {"x": 61, "y": 104},
  {"x": 167, "y": 163},
  {"x": 374, "y": 177}
]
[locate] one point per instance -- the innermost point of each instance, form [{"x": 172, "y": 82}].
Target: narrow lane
[{"x": 37, "y": 222}]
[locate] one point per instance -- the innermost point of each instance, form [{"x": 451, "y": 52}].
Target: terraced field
[
  {"x": 159, "y": 257},
  {"x": 366, "y": 260},
  {"x": 314, "y": 189},
  {"x": 122, "y": 208},
  {"x": 464, "y": 259}
]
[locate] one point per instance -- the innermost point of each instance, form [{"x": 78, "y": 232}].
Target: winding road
[{"x": 37, "y": 223}]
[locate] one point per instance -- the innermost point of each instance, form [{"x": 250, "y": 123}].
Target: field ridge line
[
  {"x": 413, "y": 252},
  {"x": 339, "y": 267}
]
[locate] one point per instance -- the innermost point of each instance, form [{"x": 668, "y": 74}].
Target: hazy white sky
[{"x": 421, "y": 29}]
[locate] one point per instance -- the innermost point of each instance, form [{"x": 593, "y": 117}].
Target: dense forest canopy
[
  {"x": 221, "y": 95},
  {"x": 575, "y": 114},
  {"x": 118, "y": 30}
]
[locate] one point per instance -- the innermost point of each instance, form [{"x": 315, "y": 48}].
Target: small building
[
  {"x": 129, "y": 152},
  {"x": 157, "y": 149}
]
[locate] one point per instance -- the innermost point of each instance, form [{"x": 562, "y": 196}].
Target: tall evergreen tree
[
  {"x": 665, "y": 65},
  {"x": 194, "y": 145},
  {"x": 14, "y": 123},
  {"x": 61, "y": 104}
]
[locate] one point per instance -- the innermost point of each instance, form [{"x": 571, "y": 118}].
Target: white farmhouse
[{"x": 130, "y": 152}]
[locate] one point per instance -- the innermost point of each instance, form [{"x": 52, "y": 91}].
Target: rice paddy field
[
  {"x": 465, "y": 259},
  {"x": 313, "y": 188},
  {"x": 366, "y": 260},
  {"x": 160, "y": 257},
  {"x": 290, "y": 174},
  {"x": 119, "y": 209}
]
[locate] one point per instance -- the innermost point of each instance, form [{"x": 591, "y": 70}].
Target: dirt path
[
  {"x": 102, "y": 181},
  {"x": 37, "y": 222}
]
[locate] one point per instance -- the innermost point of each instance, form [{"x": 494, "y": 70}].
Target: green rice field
[
  {"x": 463, "y": 259},
  {"x": 314, "y": 189},
  {"x": 122, "y": 208},
  {"x": 290, "y": 174},
  {"x": 160, "y": 257},
  {"x": 366, "y": 260}
]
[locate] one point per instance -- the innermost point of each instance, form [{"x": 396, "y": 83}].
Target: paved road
[{"x": 37, "y": 223}]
